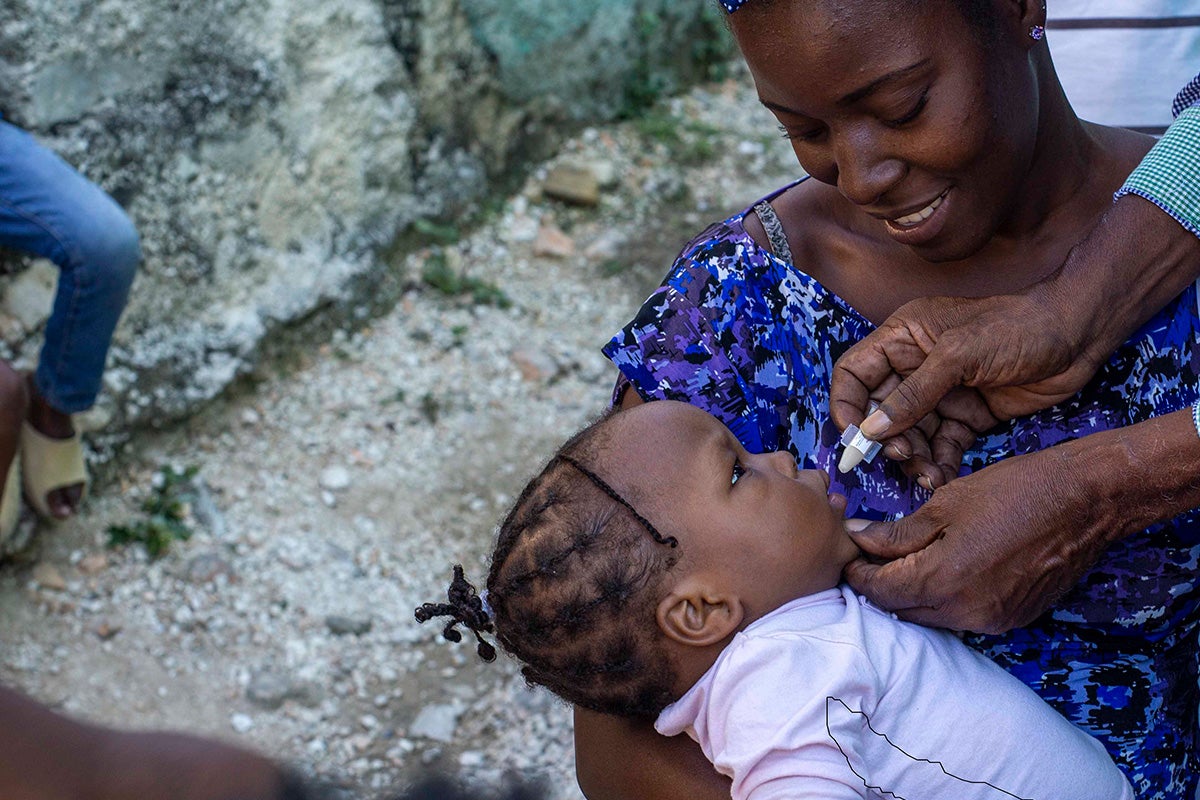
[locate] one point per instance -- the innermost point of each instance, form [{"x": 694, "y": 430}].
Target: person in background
[{"x": 49, "y": 210}]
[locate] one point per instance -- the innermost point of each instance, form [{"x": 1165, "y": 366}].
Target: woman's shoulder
[
  {"x": 808, "y": 212},
  {"x": 1123, "y": 149},
  {"x": 809, "y": 218}
]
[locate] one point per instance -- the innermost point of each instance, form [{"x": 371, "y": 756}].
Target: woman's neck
[{"x": 1062, "y": 172}]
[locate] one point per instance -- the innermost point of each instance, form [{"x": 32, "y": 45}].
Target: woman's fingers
[
  {"x": 892, "y": 540},
  {"x": 989, "y": 551},
  {"x": 949, "y": 444},
  {"x": 874, "y": 368},
  {"x": 914, "y": 397}
]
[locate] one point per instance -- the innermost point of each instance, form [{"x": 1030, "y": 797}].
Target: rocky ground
[{"x": 332, "y": 494}]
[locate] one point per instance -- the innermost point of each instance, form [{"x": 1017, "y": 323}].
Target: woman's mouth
[
  {"x": 920, "y": 226},
  {"x": 910, "y": 220}
]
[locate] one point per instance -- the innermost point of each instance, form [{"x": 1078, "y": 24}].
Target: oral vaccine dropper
[{"x": 858, "y": 447}]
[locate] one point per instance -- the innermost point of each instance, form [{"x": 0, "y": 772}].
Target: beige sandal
[
  {"x": 48, "y": 464},
  {"x": 10, "y": 501}
]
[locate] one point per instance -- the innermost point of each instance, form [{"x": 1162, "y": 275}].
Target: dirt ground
[{"x": 332, "y": 496}]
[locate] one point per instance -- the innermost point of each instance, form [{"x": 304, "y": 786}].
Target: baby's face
[{"x": 769, "y": 532}]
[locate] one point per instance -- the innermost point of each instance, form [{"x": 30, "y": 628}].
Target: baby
[{"x": 655, "y": 568}]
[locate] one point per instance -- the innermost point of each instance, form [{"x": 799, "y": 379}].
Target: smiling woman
[{"x": 944, "y": 160}]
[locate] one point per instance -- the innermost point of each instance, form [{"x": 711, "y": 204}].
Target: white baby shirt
[{"x": 829, "y": 698}]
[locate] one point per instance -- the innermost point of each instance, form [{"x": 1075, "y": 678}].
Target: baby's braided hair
[
  {"x": 615, "y": 495},
  {"x": 465, "y": 607},
  {"x": 574, "y": 585}
]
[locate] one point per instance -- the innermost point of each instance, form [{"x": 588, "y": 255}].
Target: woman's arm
[
  {"x": 619, "y": 759},
  {"x": 993, "y": 550}
]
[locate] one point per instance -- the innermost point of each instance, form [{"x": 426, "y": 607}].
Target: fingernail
[
  {"x": 875, "y": 425},
  {"x": 855, "y": 524},
  {"x": 895, "y": 452},
  {"x": 925, "y": 482}
]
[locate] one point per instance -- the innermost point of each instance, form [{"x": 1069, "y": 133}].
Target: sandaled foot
[
  {"x": 54, "y": 473},
  {"x": 10, "y": 502}
]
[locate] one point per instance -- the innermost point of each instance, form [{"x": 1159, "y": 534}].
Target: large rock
[{"x": 275, "y": 153}]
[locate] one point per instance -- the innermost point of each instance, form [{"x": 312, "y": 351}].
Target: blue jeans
[{"x": 50, "y": 210}]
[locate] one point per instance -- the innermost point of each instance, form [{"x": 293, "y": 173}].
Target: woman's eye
[
  {"x": 911, "y": 115},
  {"x": 738, "y": 472},
  {"x": 810, "y": 135}
]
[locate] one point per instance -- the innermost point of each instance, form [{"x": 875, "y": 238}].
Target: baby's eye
[{"x": 738, "y": 472}]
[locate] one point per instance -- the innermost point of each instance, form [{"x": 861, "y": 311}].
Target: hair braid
[
  {"x": 611, "y": 492},
  {"x": 466, "y": 608}
]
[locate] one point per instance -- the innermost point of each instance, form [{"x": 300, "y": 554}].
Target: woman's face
[{"x": 904, "y": 109}]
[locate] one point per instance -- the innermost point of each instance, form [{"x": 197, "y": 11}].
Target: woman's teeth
[{"x": 908, "y": 220}]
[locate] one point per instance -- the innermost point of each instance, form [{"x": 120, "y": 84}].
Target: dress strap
[{"x": 774, "y": 228}]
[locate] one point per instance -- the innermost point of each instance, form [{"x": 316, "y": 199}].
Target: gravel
[{"x": 334, "y": 493}]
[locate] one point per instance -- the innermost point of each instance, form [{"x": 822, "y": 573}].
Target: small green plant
[
  {"x": 167, "y": 510},
  {"x": 431, "y": 407},
  {"x": 614, "y": 267},
  {"x": 446, "y": 234},
  {"x": 438, "y": 275},
  {"x": 687, "y": 141}
]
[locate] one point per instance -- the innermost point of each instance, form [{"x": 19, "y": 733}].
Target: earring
[{"x": 1037, "y": 32}]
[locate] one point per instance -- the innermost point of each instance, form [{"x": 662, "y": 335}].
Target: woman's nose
[{"x": 864, "y": 172}]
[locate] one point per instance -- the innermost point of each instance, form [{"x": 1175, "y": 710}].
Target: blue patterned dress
[{"x": 752, "y": 339}]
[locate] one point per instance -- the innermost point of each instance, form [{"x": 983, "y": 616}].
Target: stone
[
  {"x": 553, "y": 243},
  {"x": 205, "y": 509},
  {"x": 205, "y": 567},
  {"x": 605, "y": 247},
  {"x": 437, "y": 721},
  {"x": 342, "y": 625},
  {"x": 268, "y": 169},
  {"x": 534, "y": 366},
  {"x": 106, "y": 630},
  {"x": 93, "y": 563},
  {"x": 335, "y": 478},
  {"x": 269, "y": 689},
  {"x": 571, "y": 183},
  {"x": 47, "y": 576},
  {"x": 242, "y": 723},
  {"x": 31, "y": 294}
]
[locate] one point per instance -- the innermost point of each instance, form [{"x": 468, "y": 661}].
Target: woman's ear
[
  {"x": 696, "y": 614},
  {"x": 1027, "y": 18}
]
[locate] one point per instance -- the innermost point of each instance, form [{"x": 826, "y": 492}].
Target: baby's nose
[{"x": 783, "y": 462}]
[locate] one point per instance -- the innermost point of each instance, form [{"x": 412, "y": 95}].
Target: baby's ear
[{"x": 696, "y": 614}]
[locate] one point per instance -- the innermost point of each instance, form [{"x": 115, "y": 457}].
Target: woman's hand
[
  {"x": 1022, "y": 352},
  {"x": 993, "y": 550},
  {"x": 990, "y": 551},
  {"x": 1008, "y": 349}
]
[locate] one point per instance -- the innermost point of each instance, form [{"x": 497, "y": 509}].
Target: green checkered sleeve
[{"x": 1169, "y": 175}]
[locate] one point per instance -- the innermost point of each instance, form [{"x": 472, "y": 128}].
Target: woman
[{"x": 945, "y": 160}]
